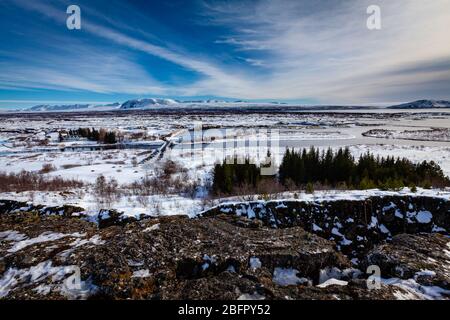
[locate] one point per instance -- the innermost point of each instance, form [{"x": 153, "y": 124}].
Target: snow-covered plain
[{"x": 30, "y": 142}]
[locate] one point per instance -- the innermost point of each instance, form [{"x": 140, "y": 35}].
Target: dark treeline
[
  {"x": 328, "y": 169},
  {"x": 340, "y": 168},
  {"x": 102, "y": 135},
  {"x": 228, "y": 176}
]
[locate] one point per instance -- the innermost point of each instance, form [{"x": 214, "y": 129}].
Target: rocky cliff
[{"x": 259, "y": 250}]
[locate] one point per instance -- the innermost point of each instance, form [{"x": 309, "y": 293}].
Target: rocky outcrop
[
  {"x": 104, "y": 218},
  {"x": 422, "y": 257},
  {"x": 354, "y": 225},
  {"x": 231, "y": 286},
  {"x": 11, "y": 206},
  {"x": 242, "y": 251},
  {"x": 151, "y": 258}
]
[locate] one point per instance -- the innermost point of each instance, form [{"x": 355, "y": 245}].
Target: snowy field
[{"x": 147, "y": 141}]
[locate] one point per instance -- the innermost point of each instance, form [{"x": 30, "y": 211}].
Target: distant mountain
[
  {"x": 71, "y": 107},
  {"x": 423, "y": 104},
  {"x": 164, "y": 103},
  {"x": 209, "y": 101},
  {"x": 147, "y": 103},
  {"x": 47, "y": 107}
]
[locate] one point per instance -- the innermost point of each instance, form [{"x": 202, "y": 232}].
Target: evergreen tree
[{"x": 340, "y": 168}]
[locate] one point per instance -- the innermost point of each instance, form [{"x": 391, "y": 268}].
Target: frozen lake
[{"x": 323, "y": 136}]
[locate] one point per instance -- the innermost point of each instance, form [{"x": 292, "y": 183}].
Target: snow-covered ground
[
  {"x": 440, "y": 155},
  {"x": 31, "y": 142},
  {"x": 157, "y": 205},
  {"x": 85, "y": 166},
  {"x": 421, "y": 135}
]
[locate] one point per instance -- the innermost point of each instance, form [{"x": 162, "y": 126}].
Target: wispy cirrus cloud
[
  {"x": 323, "y": 48},
  {"x": 213, "y": 72},
  {"x": 291, "y": 50},
  {"x": 79, "y": 67}
]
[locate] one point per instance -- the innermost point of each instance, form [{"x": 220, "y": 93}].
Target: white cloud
[
  {"x": 77, "y": 66},
  {"x": 308, "y": 49},
  {"x": 215, "y": 76},
  {"x": 325, "y": 51}
]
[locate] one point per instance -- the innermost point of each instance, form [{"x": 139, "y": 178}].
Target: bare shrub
[
  {"x": 47, "y": 167},
  {"x": 70, "y": 166},
  {"x": 138, "y": 135},
  {"x": 157, "y": 207},
  {"x": 162, "y": 185},
  {"x": 244, "y": 191},
  {"x": 177, "y": 183},
  {"x": 31, "y": 196},
  {"x": 143, "y": 201},
  {"x": 170, "y": 167},
  {"x": 80, "y": 193},
  {"x": 290, "y": 184},
  {"x": 134, "y": 162},
  {"x": 207, "y": 203},
  {"x": 188, "y": 187},
  {"x": 267, "y": 188},
  {"x": 43, "y": 143},
  {"x": 119, "y": 162},
  {"x": 31, "y": 181},
  {"x": 146, "y": 186},
  {"x": 107, "y": 191}
]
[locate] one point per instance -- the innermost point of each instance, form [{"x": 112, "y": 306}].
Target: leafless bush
[
  {"x": 119, "y": 162},
  {"x": 79, "y": 193},
  {"x": 42, "y": 143},
  {"x": 157, "y": 208},
  {"x": 190, "y": 189},
  {"x": 269, "y": 186},
  {"x": 267, "y": 189},
  {"x": 143, "y": 201},
  {"x": 138, "y": 135},
  {"x": 70, "y": 166},
  {"x": 243, "y": 191},
  {"x": 170, "y": 178},
  {"x": 31, "y": 181},
  {"x": 162, "y": 185},
  {"x": 170, "y": 167},
  {"x": 146, "y": 186},
  {"x": 290, "y": 184},
  {"x": 31, "y": 196},
  {"x": 47, "y": 167},
  {"x": 207, "y": 203},
  {"x": 107, "y": 191},
  {"x": 108, "y": 156},
  {"x": 134, "y": 162}
]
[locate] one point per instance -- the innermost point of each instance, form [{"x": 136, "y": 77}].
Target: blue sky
[{"x": 312, "y": 52}]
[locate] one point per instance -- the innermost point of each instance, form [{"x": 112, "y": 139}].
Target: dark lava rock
[
  {"x": 232, "y": 286},
  {"x": 218, "y": 256},
  {"x": 104, "y": 218},
  {"x": 424, "y": 257},
  {"x": 150, "y": 259},
  {"x": 354, "y": 225}
]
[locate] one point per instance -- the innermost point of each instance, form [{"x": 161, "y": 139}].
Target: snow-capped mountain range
[
  {"x": 159, "y": 103},
  {"x": 71, "y": 107},
  {"x": 423, "y": 104},
  {"x": 148, "y": 103},
  {"x": 145, "y": 104}
]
